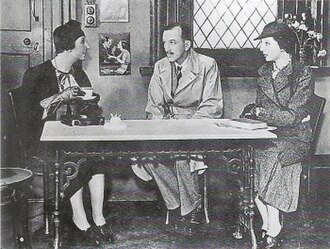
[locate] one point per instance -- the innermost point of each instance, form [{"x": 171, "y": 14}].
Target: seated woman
[
  {"x": 48, "y": 85},
  {"x": 283, "y": 91},
  {"x": 124, "y": 58}
]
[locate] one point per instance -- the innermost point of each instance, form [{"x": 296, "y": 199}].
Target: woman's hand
[
  {"x": 72, "y": 92},
  {"x": 249, "y": 111}
]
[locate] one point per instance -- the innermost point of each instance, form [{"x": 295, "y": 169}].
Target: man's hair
[
  {"x": 105, "y": 39},
  {"x": 186, "y": 30},
  {"x": 66, "y": 35}
]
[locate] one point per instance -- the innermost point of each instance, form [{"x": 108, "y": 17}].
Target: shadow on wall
[
  {"x": 129, "y": 100},
  {"x": 237, "y": 92}
]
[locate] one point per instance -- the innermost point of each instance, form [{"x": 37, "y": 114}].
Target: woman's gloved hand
[
  {"x": 72, "y": 92},
  {"x": 249, "y": 112}
]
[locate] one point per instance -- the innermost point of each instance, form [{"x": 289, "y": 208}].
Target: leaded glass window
[{"x": 231, "y": 23}]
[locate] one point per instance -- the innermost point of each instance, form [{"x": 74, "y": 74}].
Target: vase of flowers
[{"x": 309, "y": 40}]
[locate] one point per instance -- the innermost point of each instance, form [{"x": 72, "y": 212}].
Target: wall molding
[{"x": 240, "y": 71}]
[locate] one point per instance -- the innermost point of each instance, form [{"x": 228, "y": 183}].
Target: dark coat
[
  {"x": 40, "y": 82},
  {"x": 284, "y": 101}
]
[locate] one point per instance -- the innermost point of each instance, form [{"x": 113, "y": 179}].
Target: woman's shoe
[
  {"x": 105, "y": 233},
  {"x": 86, "y": 238},
  {"x": 272, "y": 242},
  {"x": 261, "y": 236}
]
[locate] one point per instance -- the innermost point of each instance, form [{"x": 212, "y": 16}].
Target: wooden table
[
  {"x": 145, "y": 140},
  {"x": 14, "y": 185}
]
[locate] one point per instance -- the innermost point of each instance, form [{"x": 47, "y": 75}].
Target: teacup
[{"x": 88, "y": 92}]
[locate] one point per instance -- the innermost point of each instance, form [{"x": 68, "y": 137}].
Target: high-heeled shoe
[
  {"x": 272, "y": 242},
  {"x": 105, "y": 233},
  {"x": 261, "y": 236},
  {"x": 85, "y": 238}
]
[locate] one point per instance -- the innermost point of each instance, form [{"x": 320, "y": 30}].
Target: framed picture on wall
[
  {"x": 114, "y": 11},
  {"x": 114, "y": 54}
]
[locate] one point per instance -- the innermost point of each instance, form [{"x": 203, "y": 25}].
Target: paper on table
[{"x": 249, "y": 124}]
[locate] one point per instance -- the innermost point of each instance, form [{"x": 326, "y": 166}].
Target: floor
[{"x": 141, "y": 225}]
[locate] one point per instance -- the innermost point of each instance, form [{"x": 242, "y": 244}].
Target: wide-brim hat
[{"x": 277, "y": 29}]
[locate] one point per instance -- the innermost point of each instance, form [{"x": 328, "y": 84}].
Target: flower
[
  {"x": 322, "y": 53},
  {"x": 309, "y": 39}
]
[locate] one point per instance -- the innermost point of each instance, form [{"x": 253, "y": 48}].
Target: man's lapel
[
  {"x": 166, "y": 77},
  {"x": 190, "y": 72}
]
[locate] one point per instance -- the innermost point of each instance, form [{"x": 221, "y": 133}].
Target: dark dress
[
  {"x": 278, "y": 165},
  {"x": 40, "y": 82}
]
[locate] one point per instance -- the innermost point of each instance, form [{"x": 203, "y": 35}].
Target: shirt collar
[{"x": 183, "y": 65}]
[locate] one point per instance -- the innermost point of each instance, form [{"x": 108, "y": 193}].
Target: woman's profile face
[
  {"x": 120, "y": 45},
  {"x": 270, "y": 49},
  {"x": 80, "y": 49}
]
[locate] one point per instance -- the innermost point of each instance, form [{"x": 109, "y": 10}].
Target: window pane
[{"x": 231, "y": 23}]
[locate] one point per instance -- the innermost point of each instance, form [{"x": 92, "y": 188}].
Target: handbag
[{"x": 77, "y": 112}]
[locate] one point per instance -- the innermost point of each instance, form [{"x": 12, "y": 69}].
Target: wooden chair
[
  {"x": 23, "y": 127},
  {"x": 316, "y": 107}
]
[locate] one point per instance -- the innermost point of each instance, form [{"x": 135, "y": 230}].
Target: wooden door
[{"x": 22, "y": 46}]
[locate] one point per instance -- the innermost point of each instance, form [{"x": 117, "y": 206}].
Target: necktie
[
  {"x": 176, "y": 76},
  {"x": 178, "y": 73}
]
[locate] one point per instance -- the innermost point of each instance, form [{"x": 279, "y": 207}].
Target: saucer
[{"x": 88, "y": 98}]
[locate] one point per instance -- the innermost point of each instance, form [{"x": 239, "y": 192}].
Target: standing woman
[
  {"x": 283, "y": 91},
  {"x": 47, "y": 86}
]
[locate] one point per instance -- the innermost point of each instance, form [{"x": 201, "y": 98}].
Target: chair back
[
  {"x": 26, "y": 126},
  {"x": 316, "y": 107},
  {"x": 17, "y": 136}
]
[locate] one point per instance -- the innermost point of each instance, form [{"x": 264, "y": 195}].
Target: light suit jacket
[{"x": 198, "y": 95}]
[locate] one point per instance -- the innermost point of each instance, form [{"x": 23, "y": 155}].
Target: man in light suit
[{"x": 184, "y": 85}]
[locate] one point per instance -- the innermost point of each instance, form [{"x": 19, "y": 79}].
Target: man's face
[
  {"x": 80, "y": 49},
  {"x": 107, "y": 43},
  {"x": 175, "y": 47}
]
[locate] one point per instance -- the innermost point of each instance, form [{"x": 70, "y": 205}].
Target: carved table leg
[
  {"x": 56, "y": 242},
  {"x": 246, "y": 196},
  {"x": 65, "y": 172},
  {"x": 45, "y": 169},
  {"x": 250, "y": 188}
]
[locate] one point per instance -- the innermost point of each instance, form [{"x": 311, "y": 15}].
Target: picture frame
[
  {"x": 114, "y": 54},
  {"x": 114, "y": 10}
]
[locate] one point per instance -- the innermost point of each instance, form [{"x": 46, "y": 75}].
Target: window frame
[{"x": 232, "y": 62}]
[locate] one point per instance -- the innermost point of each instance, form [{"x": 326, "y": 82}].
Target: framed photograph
[
  {"x": 114, "y": 11},
  {"x": 114, "y": 54}
]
